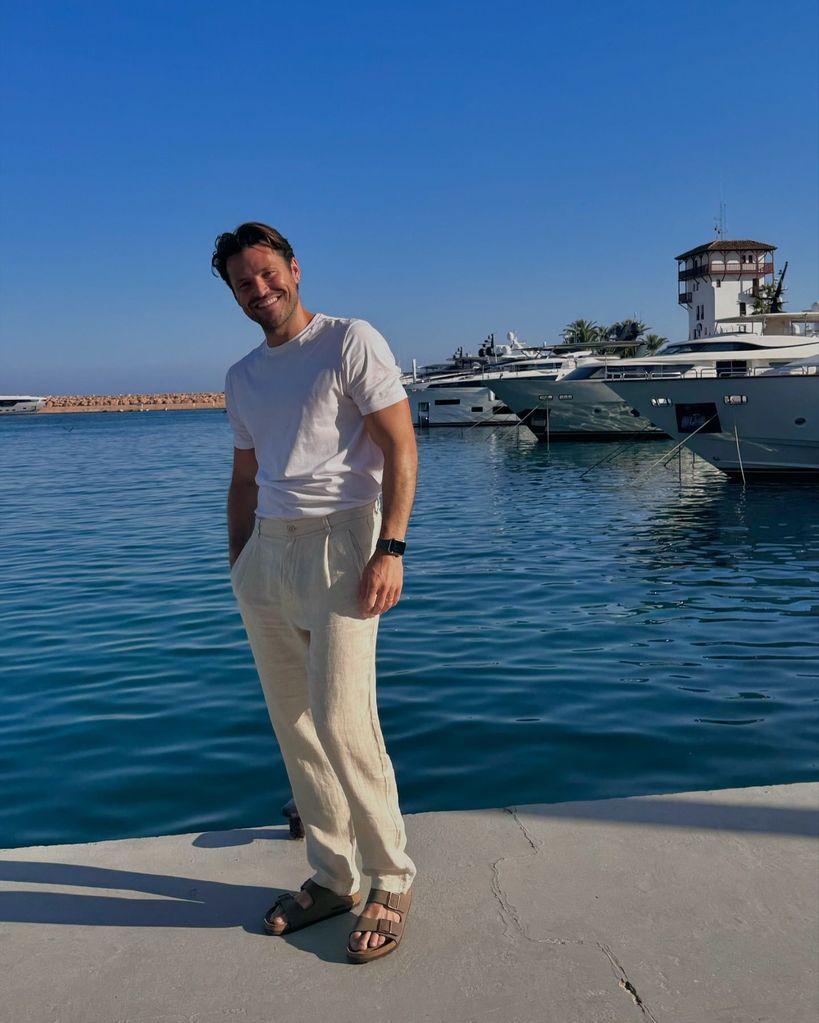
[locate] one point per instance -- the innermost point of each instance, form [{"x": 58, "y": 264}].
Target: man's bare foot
[{"x": 360, "y": 940}]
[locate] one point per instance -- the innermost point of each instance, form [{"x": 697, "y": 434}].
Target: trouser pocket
[
  {"x": 238, "y": 568},
  {"x": 363, "y": 532}
]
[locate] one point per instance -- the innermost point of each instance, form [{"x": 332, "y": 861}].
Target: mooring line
[{"x": 669, "y": 455}]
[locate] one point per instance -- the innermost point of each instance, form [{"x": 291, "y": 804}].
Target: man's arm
[
  {"x": 241, "y": 503},
  {"x": 392, "y": 431}
]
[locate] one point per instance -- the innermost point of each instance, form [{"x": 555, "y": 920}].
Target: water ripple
[{"x": 566, "y": 632}]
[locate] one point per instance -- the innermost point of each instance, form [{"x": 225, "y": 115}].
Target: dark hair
[{"x": 244, "y": 237}]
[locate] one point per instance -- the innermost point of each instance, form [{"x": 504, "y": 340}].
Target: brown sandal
[
  {"x": 324, "y": 905},
  {"x": 291, "y": 812},
  {"x": 392, "y": 930}
]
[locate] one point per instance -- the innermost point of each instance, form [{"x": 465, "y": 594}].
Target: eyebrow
[{"x": 264, "y": 269}]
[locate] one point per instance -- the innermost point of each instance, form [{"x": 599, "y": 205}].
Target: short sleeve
[
  {"x": 370, "y": 373},
  {"x": 241, "y": 435}
]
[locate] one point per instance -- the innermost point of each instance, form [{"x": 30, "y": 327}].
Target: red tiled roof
[{"x": 726, "y": 245}]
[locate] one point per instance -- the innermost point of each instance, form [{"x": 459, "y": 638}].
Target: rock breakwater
[{"x": 134, "y": 402}]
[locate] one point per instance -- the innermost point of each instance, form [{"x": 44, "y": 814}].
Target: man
[{"x": 320, "y": 421}]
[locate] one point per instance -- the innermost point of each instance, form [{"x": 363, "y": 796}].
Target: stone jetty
[
  {"x": 698, "y": 907},
  {"x": 169, "y": 400}
]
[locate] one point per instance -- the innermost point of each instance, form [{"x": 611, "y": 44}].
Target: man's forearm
[
  {"x": 398, "y": 487},
  {"x": 241, "y": 516}
]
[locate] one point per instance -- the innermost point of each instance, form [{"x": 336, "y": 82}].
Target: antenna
[{"x": 719, "y": 226}]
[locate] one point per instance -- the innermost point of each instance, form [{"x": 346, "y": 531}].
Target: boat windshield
[
  {"x": 586, "y": 373},
  {"x": 711, "y": 346}
]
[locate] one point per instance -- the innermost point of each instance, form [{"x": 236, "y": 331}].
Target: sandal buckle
[{"x": 393, "y": 901}]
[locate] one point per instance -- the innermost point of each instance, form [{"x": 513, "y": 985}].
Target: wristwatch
[{"x": 394, "y": 547}]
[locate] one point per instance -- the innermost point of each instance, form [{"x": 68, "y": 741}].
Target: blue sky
[{"x": 443, "y": 170}]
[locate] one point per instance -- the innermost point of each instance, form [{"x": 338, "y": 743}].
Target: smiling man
[{"x": 322, "y": 438}]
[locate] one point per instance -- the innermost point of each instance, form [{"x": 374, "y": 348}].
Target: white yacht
[
  {"x": 467, "y": 399},
  {"x": 458, "y": 392},
  {"x": 763, "y": 422},
  {"x": 724, "y": 277},
  {"x": 584, "y": 404},
  {"x": 18, "y": 404}
]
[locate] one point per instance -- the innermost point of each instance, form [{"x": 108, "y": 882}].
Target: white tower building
[{"x": 722, "y": 279}]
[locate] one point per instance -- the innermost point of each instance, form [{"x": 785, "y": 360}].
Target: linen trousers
[{"x": 296, "y": 582}]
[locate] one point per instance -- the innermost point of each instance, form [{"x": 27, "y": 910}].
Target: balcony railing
[
  {"x": 726, "y": 270},
  {"x": 685, "y": 297}
]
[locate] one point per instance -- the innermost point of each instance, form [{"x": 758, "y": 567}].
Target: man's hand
[
  {"x": 242, "y": 498},
  {"x": 381, "y": 583}
]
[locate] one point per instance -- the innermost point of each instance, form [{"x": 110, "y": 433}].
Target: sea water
[{"x": 578, "y": 622}]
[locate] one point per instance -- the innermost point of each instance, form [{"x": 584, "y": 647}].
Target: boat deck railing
[{"x": 710, "y": 373}]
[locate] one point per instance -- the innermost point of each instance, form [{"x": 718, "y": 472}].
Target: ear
[{"x": 295, "y": 269}]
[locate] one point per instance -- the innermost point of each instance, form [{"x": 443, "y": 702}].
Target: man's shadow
[{"x": 184, "y": 902}]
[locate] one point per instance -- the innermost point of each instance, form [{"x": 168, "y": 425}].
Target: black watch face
[{"x": 392, "y": 546}]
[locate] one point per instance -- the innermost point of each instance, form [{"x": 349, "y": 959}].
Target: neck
[{"x": 294, "y": 325}]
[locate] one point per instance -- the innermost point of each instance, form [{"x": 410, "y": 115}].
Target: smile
[{"x": 265, "y": 303}]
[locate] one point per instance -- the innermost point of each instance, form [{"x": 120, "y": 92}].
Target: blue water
[{"x": 567, "y": 631}]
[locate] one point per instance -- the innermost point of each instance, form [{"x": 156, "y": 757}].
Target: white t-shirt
[{"x": 300, "y": 405}]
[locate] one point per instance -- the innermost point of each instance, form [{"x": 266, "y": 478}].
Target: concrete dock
[{"x": 698, "y": 907}]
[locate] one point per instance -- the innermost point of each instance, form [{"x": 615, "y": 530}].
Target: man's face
[{"x": 265, "y": 285}]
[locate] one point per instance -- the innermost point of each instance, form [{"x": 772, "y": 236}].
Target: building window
[
  {"x": 447, "y": 401},
  {"x": 742, "y": 308}
]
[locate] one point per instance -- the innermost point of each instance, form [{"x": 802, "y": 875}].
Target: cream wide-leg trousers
[{"x": 296, "y": 582}]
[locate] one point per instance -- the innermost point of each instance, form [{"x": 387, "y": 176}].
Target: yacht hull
[
  {"x": 469, "y": 405},
  {"x": 20, "y": 406},
  {"x": 574, "y": 410},
  {"x": 763, "y": 425}
]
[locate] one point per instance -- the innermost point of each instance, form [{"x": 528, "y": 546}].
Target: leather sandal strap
[
  {"x": 326, "y": 896},
  {"x": 395, "y": 901},
  {"x": 282, "y": 907},
  {"x": 380, "y": 925}
]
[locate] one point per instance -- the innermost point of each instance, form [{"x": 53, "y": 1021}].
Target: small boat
[{"x": 20, "y": 404}]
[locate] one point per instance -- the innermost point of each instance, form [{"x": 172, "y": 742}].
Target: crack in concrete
[
  {"x": 512, "y": 811},
  {"x": 512, "y": 921},
  {"x": 507, "y": 913},
  {"x": 624, "y": 983}
]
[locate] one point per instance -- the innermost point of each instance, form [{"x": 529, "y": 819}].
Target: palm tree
[
  {"x": 763, "y": 301},
  {"x": 627, "y": 330},
  {"x": 651, "y": 342},
  {"x": 580, "y": 332}
]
